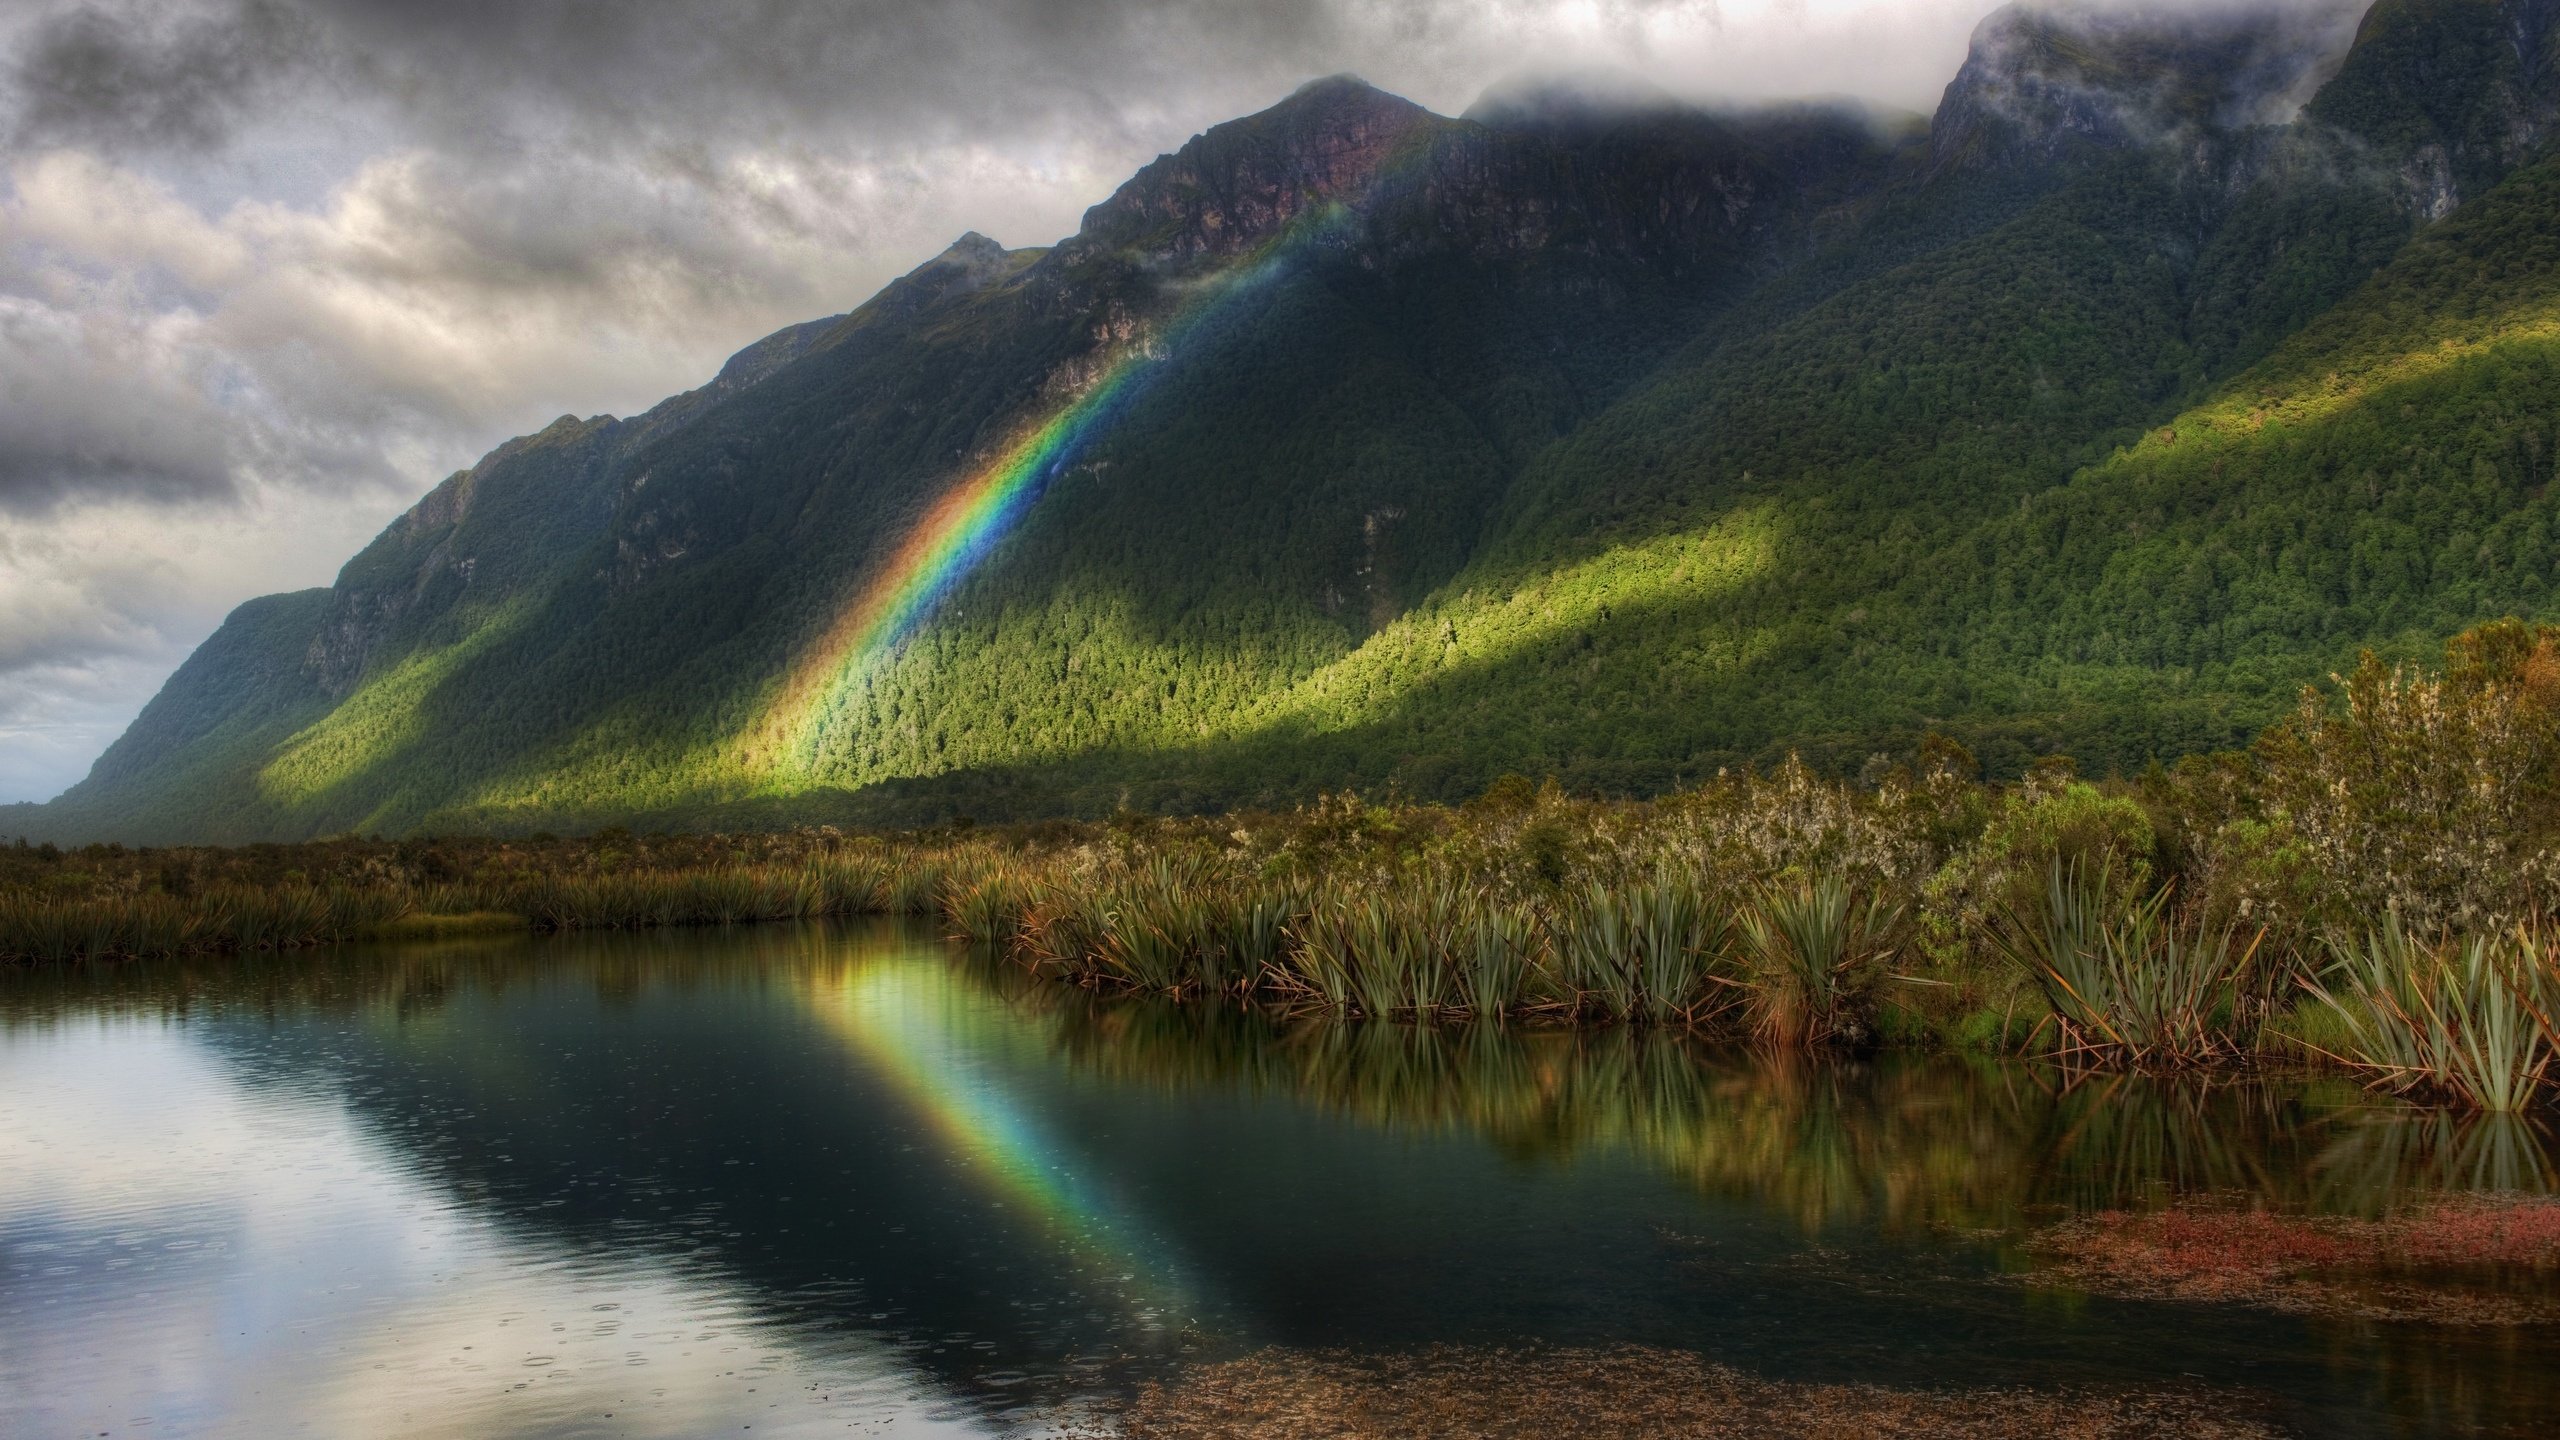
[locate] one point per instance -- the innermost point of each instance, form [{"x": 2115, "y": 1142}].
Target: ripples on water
[{"x": 843, "y": 1181}]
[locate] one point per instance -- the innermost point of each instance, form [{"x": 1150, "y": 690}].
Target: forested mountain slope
[{"x": 2177, "y": 357}]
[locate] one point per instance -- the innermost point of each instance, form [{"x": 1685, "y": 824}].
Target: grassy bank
[{"x": 2370, "y": 886}]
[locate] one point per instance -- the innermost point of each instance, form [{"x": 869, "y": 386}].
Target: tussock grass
[
  {"x": 1816, "y": 951},
  {"x": 431, "y": 925},
  {"x": 44, "y": 929}
]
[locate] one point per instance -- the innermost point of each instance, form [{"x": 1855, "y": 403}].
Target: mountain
[{"x": 2182, "y": 353}]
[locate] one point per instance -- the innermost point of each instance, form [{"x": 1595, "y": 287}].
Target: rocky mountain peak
[
  {"x": 965, "y": 264},
  {"x": 1235, "y": 184}
]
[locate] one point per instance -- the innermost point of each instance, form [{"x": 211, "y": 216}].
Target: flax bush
[
  {"x": 1816, "y": 950},
  {"x": 2127, "y": 979},
  {"x": 2468, "y": 1019}
]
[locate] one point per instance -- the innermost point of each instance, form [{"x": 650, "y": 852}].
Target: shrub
[
  {"x": 2052, "y": 820},
  {"x": 2428, "y": 797}
]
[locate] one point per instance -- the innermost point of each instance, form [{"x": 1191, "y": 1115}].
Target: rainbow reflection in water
[{"x": 935, "y": 1039}]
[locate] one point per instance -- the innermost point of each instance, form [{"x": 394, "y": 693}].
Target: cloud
[
  {"x": 486, "y": 76},
  {"x": 101, "y": 601},
  {"x": 151, "y": 77},
  {"x": 93, "y": 402},
  {"x": 323, "y": 241},
  {"x": 431, "y": 306}
]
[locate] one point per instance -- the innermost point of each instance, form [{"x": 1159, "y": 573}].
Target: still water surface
[{"x": 846, "y": 1181}]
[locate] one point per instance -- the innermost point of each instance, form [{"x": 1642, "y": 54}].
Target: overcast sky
[{"x": 271, "y": 268}]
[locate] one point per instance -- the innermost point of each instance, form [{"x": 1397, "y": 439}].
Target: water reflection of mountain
[{"x": 1011, "y": 1180}]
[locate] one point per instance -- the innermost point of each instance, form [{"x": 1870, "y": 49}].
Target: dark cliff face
[
  {"x": 1640, "y": 178},
  {"x": 1350, "y": 186},
  {"x": 513, "y": 515},
  {"x": 405, "y": 561},
  {"x": 528, "y": 510},
  {"x": 2450, "y": 94},
  {"x": 512, "y": 523},
  {"x": 2042, "y": 81},
  {"x": 1675, "y": 188}
]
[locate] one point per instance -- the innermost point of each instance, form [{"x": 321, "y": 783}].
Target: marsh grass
[
  {"x": 1435, "y": 946},
  {"x": 911, "y": 887},
  {"x": 36, "y": 928},
  {"x": 1502, "y": 952},
  {"x": 720, "y": 895},
  {"x": 1255, "y": 939},
  {"x": 1657, "y": 951},
  {"x": 1380, "y": 954},
  {"x": 1158, "y": 928},
  {"x": 988, "y": 906},
  {"x": 49, "y": 930}
]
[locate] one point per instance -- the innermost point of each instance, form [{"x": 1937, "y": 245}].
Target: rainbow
[
  {"x": 911, "y": 1019},
  {"x": 973, "y": 515}
]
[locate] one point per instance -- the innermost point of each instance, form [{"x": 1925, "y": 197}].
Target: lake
[{"x": 852, "y": 1180}]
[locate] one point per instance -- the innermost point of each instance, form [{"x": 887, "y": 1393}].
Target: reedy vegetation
[{"x": 2370, "y": 885}]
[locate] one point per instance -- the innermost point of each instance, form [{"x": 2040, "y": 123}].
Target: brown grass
[
  {"x": 2435, "y": 1264},
  {"x": 1303, "y": 1395}
]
